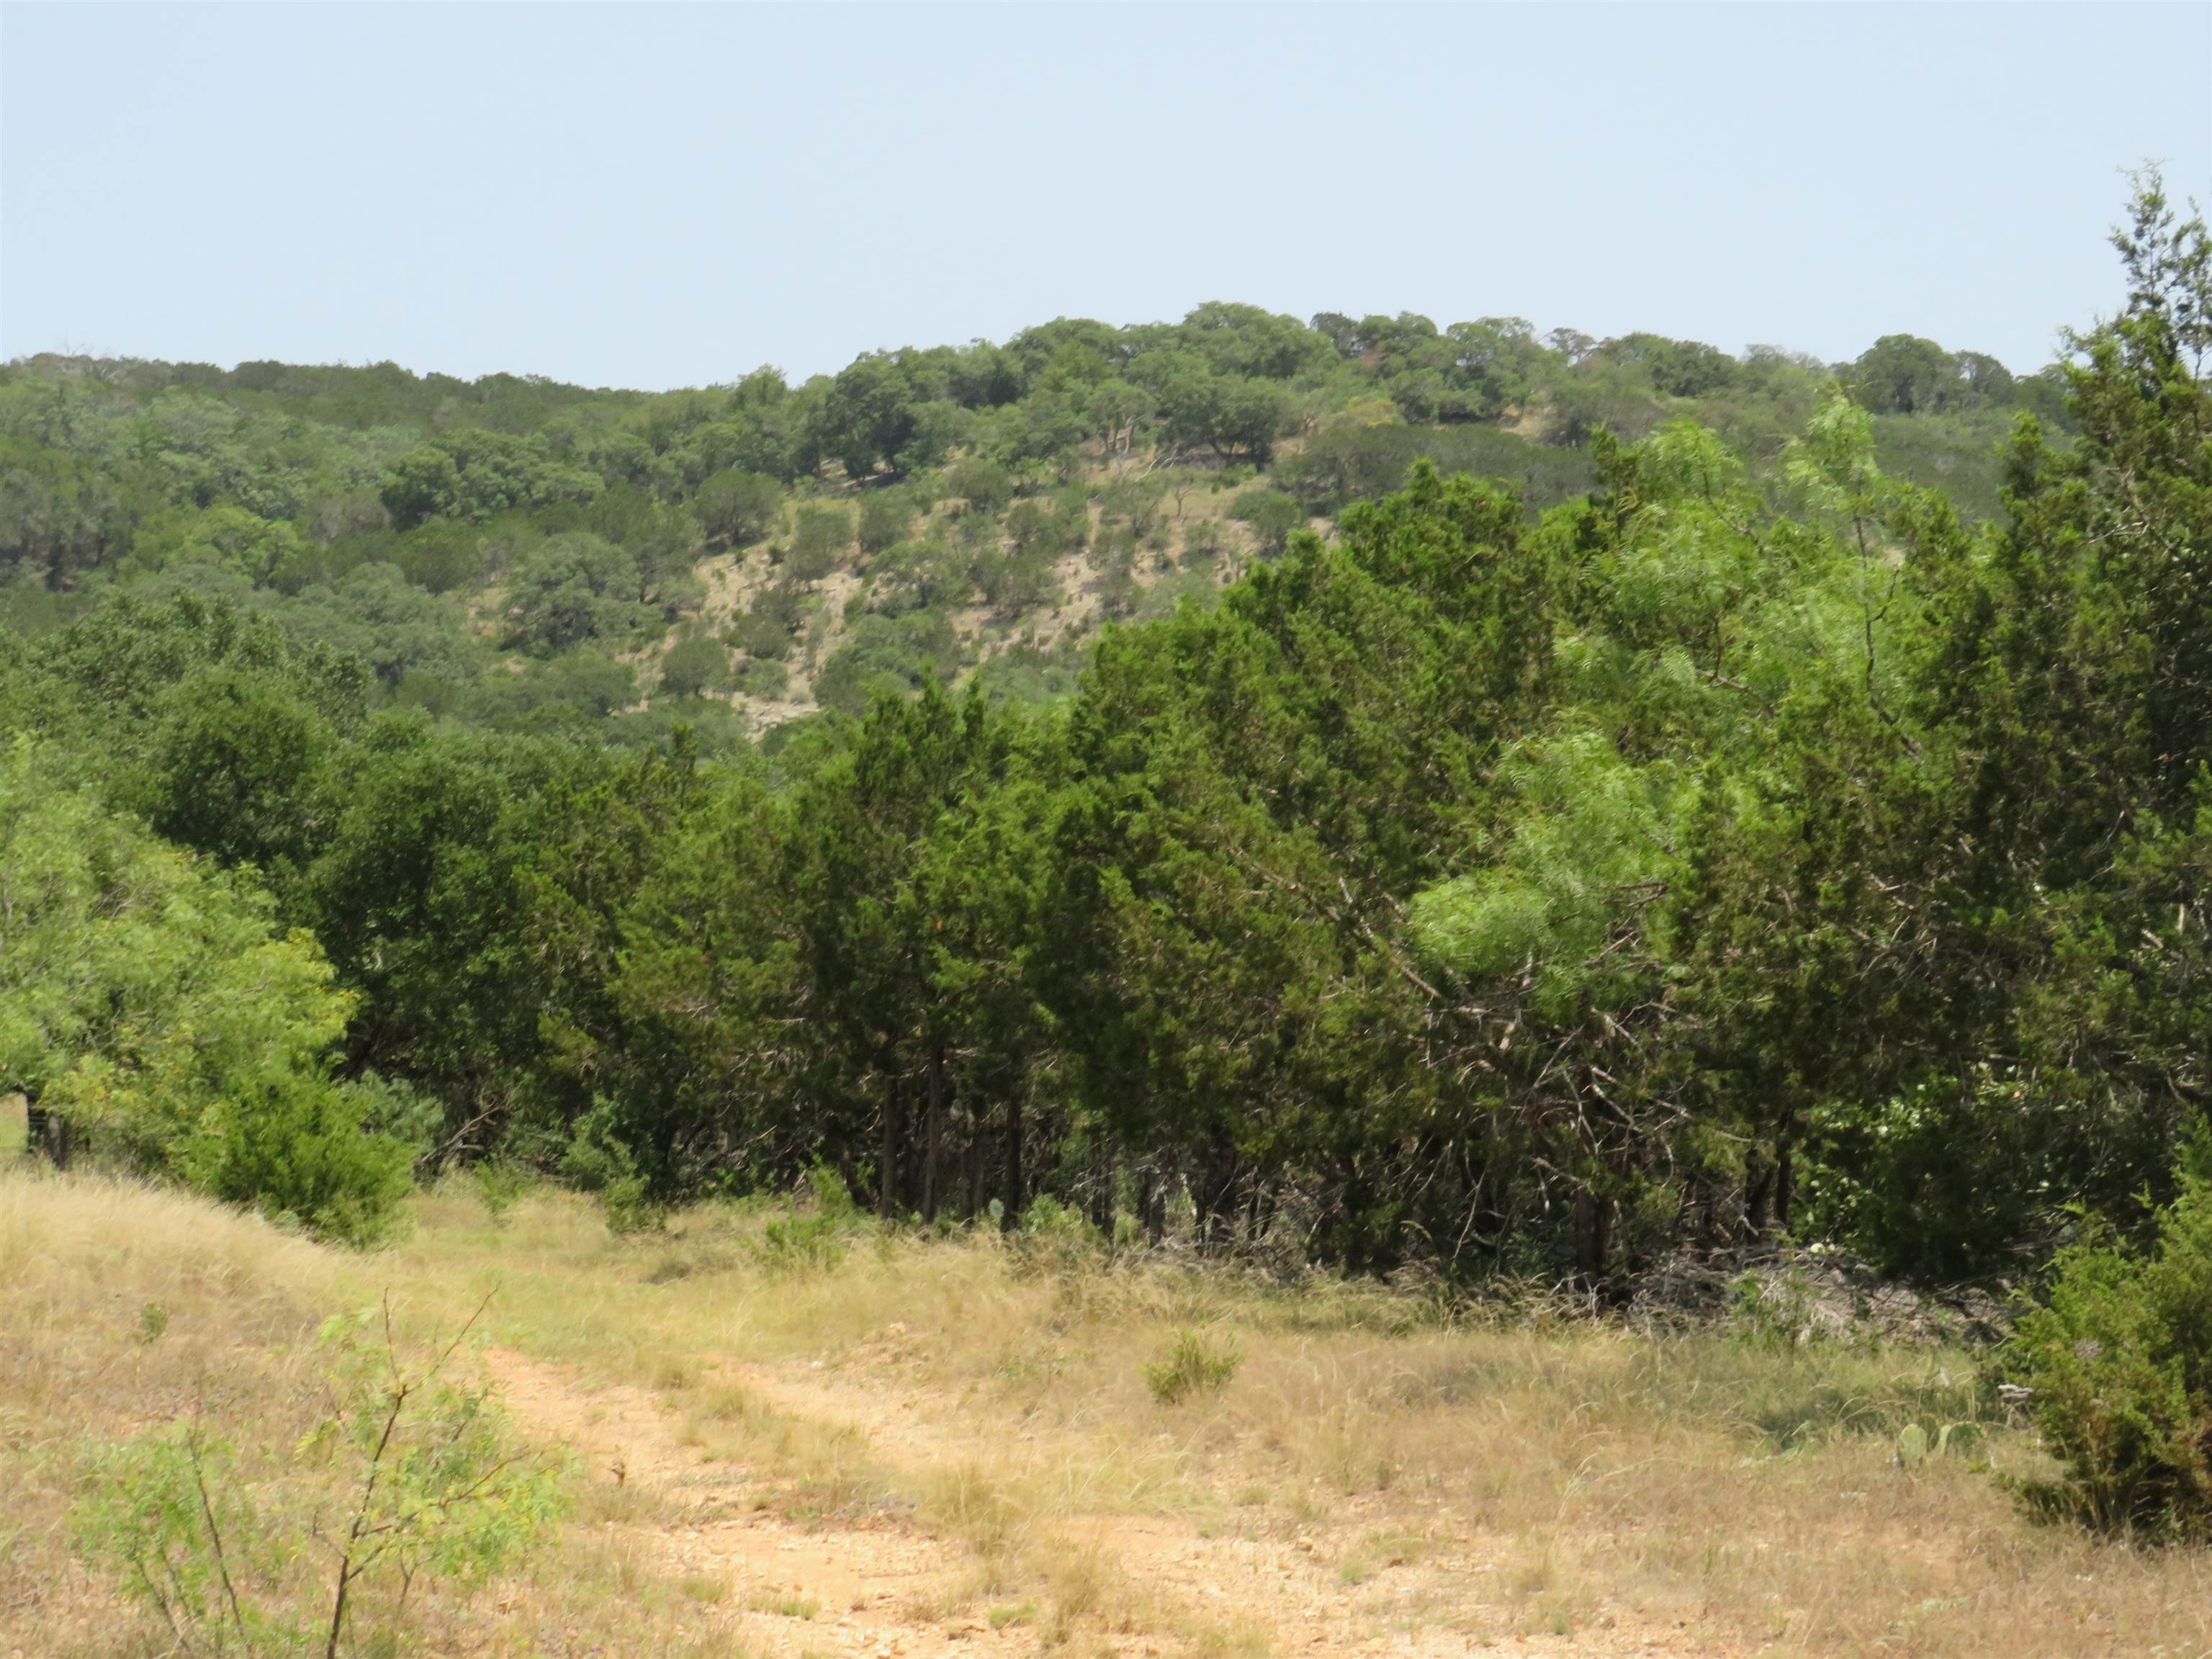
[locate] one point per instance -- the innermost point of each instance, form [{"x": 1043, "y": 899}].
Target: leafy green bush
[
  {"x": 984, "y": 485},
  {"x": 1205, "y": 540},
  {"x": 1064, "y": 528},
  {"x": 577, "y": 587},
  {"x": 441, "y": 556},
  {"x": 813, "y": 1237},
  {"x": 152, "y": 1004},
  {"x": 189, "y": 1540},
  {"x": 411, "y": 1475},
  {"x": 228, "y": 538},
  {"x": 1192, "y": 1365},
  {"x": 1058, "y": 1233},
  {"x": 1772, "y": 1310},
  {"x": 886, "y": 516},
  {"x": 2117, "y": 1366},
  {"x": 501, "y": 1184},
  {"x": 471, "y": 472},
  {"x": 1018, "y": 580},
  {"x": 292, "y": 1145},
  {"x": 1272, "y": 515},
  {"x": 597, "y": 1161},
  {"x": 737, "y": 507},
  {"x": 825, "y": 532},
  {"x": 764, "y": 632},
  {"x": 881, "y": 654},
  {"x": 758, "y": 678},
  {"x": 694, "y": 667}
]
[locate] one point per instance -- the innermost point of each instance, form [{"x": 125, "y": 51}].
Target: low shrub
[
  {"x": 761, "y": 679},
  {"x": 983, "y": 484},
  {"x": 600, "y": 1162},
  {"x": 293, "y": 1147},
  {"x": 412, "y": 1474},
  {"x": 1272, "y": 515},
  {"x": 823, "y": 534},
  {"x": 500, "y": 1182},
  {"x": 813, "y": 1237},
  {"x": 2115, "y": 1368}
]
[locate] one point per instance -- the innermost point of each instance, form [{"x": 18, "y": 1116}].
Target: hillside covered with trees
[
  {"x": 1361, "y": 793},
  {"x": 529, "y": 557}
]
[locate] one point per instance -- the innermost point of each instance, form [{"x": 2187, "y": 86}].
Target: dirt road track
[{"x": 857, "y": 1585}]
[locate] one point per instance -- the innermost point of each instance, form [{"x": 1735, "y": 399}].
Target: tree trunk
[
  {"x": 1102, "y": 1196},
  {"x": 1758, "y": 1194},
  {"x": 1783, "y": 1172},
  {"x": 1217, "y": 1197},
  {"x": 1593, "y": 1237},
  {"x": 1013, "y": 1189},
  {"x": 933, "y": 1134},
  {"x": 46, "y": 1132},
  {"x": 887, "y": 1179}
]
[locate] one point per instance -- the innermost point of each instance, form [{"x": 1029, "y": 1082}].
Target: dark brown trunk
[
  {"x": 1593, "y": 1237},
  {"x": 1781, "y": 1176},
  {"x": 1217, "y": 1199},
  {"x": 1101, "y": 1195},
  {"x": 887, "y": 1179},
  {"x": 46, "y": 1132},
  {"x": 1012, "y": 1198},
  {"x": 934, "y": 1137},
  {"x": 1758, "y": 1198}
]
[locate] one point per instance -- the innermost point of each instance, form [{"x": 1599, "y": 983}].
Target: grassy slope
[{"x": 970, "y": 1419}]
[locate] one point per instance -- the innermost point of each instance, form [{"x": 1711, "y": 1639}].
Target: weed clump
[
  {"x": 1193, "y": 1364},
  {"x": 813, "y": 1238},
  {"x": 501, "y": 1184},
  {"x": 1055, "y": 1237}
]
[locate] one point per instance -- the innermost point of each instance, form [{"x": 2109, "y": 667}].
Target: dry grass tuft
[{"x": 125, "y": 1307}]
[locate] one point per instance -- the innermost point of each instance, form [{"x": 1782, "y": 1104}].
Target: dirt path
[
  {"x": 868, "y": 1581},
  {"x": 843, "y": 1588}
]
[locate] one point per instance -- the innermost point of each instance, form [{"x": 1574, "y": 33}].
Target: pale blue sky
[{"x": 649, "y": 196}]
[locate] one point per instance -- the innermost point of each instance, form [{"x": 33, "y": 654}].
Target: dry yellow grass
[
  {"x": 969, "y": 1422},
  {"x": 122, "y": 1308}
]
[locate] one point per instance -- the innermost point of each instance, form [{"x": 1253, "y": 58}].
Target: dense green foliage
[
  {"x": 148, "y": 1002},
  {"x": 1707, "y": 828},
  {"x": 2117, "y": 1372},
  {"x": 526, "y": 556}
]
